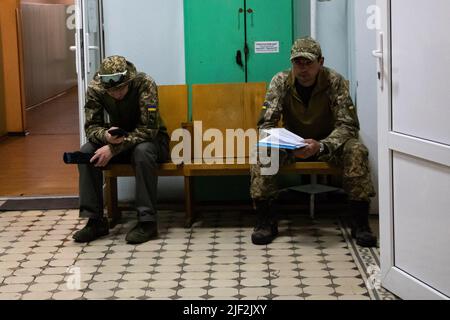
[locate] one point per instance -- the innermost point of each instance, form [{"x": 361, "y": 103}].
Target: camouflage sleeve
[
  {"x": 94, "y": 126},
  {"x": 346, "y": 119},
  {"x": 150, "y": 119},
  {"x": 273, "y": 108}
]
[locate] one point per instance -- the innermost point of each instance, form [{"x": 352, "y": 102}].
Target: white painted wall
[
  {"x": 365, "y": 80},
  {"x": 150, "y": 33},
  {"x": 302, "y": 18},
  {"x": 347, "y": 45},
  {"x": 332, "y": 33}
]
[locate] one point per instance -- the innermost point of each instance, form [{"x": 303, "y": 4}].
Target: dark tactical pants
[
  {"x": 353, "y": 157},
  {"x": 145, "y": 158}
]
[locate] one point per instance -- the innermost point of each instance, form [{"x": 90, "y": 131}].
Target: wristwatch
[{"x": 322, "y": 148}]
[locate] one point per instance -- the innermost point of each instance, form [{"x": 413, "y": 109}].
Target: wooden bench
[{"x": 217, "y": 106}]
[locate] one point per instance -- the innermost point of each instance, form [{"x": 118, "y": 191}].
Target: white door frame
[
  {"x": 82, "y": 49},
  {"x": 394, "y": 279}
]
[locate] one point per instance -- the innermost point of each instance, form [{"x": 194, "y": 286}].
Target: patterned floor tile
[
  {"x": 197, "y": 284},
  {"x": 10, "y": 296},
  {"x": 287, "y": 291},
  {"x": 129, "y": 294},
  {"x": 67, "y": 295},
  {"x": 98, "y": 294},
  {"x": 223, "y": 292},
  {"x": 214, "y": 260},
  {"x": 37, "y": 296}
]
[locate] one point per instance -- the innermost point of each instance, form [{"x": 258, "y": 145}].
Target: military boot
[
  {"x": 360, "y": 224},
  {"x": 94, "y": 229},
  {"x": 142, "y": 232},
  {"x": 266, "y": 229}
]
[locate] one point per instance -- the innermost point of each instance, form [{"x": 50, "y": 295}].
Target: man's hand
[
  {"x": 309, "y": 151},
  {"x": 113, "y": 139},
  {"x": 102, "y": 157}
]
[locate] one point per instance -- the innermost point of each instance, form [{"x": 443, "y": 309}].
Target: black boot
[
  {"x": 266, "y": 229},
  {"x": 360, "y": 224},
  {"x": 94, "y": 229}
]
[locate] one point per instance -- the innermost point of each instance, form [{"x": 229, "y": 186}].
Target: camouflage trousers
[{"x": 353, "y": 158}]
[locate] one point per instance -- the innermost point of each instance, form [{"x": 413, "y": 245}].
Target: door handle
[
  {"x": 379, "y": 54},
  {"x": 239, "y": 58},
  {"x": 251, "y": 12},
  {"x": 75, "y": 49},
  {"x": 89, "y": 47},
  {"x": 240, "y": 12},
  {"x": 87, "y": 54}
]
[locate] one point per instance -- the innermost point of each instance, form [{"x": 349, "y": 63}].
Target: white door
[
  {"x": 414, "y": 147},
  {"x": 89, "y": 49}
]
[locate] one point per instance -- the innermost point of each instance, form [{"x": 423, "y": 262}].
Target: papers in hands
[{"x": 281, "y": 138}]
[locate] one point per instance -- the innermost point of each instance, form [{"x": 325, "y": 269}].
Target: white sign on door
[{"x": 267, "y": 47}]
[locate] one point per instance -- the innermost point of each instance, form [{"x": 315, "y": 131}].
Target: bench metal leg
[
  {"x": 188, "y": 202},
  {"x": 313, "y": 189},
  {"x": 311, "y": 206},
  {"x": 112, "y": 203},
  {"x": 312, "y": 197}
]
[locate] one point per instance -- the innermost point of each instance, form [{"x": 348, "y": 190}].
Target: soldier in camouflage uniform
[
  {"x": 314, "y": 102},
  {"x": 130, "y": 99}
]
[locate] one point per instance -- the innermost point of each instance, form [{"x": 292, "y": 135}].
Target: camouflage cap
[
  {"x": 114, "y": 72},
  {"x": 307, "y": 48}
]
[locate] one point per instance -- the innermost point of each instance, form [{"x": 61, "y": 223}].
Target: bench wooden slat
[
  {"x": 126, "y": 170},
  {"x": 244, "y": 169}
]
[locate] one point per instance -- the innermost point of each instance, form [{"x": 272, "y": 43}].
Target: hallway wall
[
  {"x": 2, "y": 93},
  {"x": 49, "y": 65},
  {"x": 69, "y": 2},
  {"x": 11, "y": 66}
]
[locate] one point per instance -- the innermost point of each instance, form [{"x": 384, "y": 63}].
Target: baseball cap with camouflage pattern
[
  {"x": 307, "y": 48},
  {"x": 114, "y": 72}
]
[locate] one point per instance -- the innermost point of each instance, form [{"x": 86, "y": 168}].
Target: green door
[
  {"x": 214, "y": 33},
  {"x": 217, "y": 31},
  {"x": 269, "y": 38}
]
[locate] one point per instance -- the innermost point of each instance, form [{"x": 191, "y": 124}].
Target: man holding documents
[{"x": 313, "y": 102}]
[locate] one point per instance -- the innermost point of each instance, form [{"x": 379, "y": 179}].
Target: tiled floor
[{"x": 214, "y": 260}]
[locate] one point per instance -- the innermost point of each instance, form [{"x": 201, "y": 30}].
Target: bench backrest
[
  {"x": 173, "y": 106},
  {"x": 228, "y": 106}
]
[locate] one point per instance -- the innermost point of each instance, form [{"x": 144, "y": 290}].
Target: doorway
[{"x": 32, "y": 164}]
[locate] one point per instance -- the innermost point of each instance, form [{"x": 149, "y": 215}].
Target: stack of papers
[{"x": 282, "y": 139}]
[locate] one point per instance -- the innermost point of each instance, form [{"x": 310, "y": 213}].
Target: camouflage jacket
[
  {"x": 137, "y": 113},
  {"x": 331, "y": 84}
]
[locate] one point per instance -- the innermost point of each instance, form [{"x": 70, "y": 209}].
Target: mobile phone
[{"x": 119, "y": 133}]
